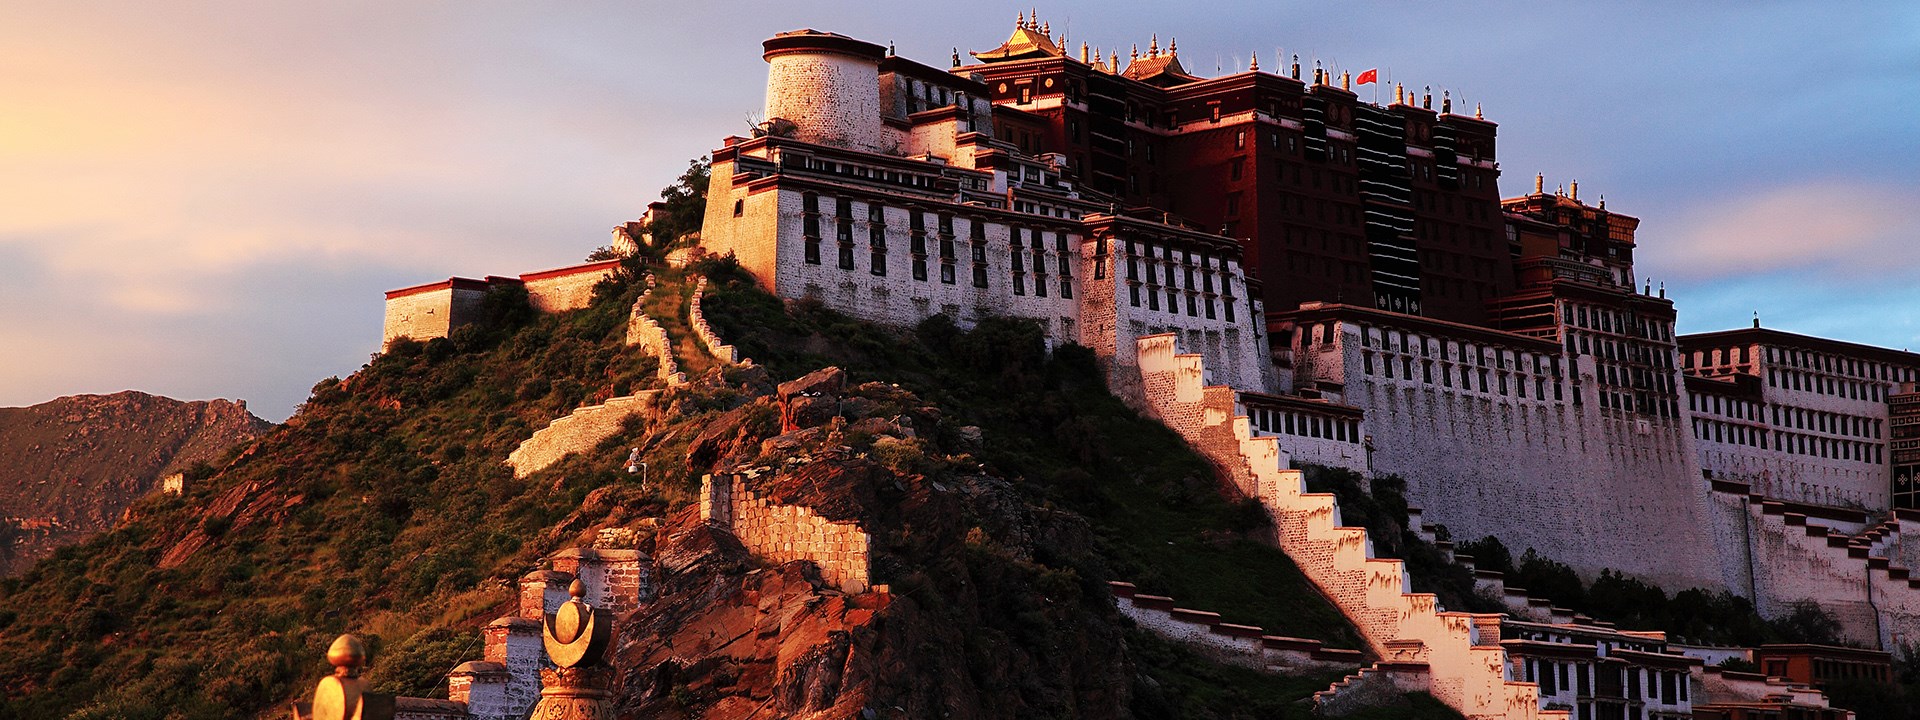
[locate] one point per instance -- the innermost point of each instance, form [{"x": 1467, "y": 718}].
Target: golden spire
[
  {"x": 1255, "y": 64},
  {"x": 1021, "y": 23},
  {"x": 1046, "y": 28},
  {"x": 1083, "y": 53},
  {"x": 1575, "y": 185},
  {"x": 1173, "y": 46},
  {"x": 1399, "y": 94},
  {"x": 1540, "y": 184},
  {"x": 1346, "y": 80},
  {"x": 1153, "y": 48},
  {"x": 1476, "y": 112},
  {"x": 1135, "y": 54}
]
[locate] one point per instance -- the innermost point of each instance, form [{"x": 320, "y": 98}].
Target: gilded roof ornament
[{"x": 343, "y": 695}]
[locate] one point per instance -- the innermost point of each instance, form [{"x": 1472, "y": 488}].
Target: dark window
[
  {"x": 810, "y": 214},
  {"x": 843, "y": 216},
  {"x": 877, "y": 237},
  {"x": 1018, "y": 264}
]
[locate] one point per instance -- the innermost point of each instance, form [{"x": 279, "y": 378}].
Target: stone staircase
[{"x": 1467, "y": 665}]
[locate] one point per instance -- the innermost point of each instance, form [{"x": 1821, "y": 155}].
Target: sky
[{"x": 207, "y": 200}]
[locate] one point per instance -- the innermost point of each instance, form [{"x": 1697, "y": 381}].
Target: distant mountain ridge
[{"x": 70, "y": 466}]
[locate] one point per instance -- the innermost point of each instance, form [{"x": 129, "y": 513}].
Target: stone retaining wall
[
  {"x": 651, "y": 337},
  {"x": 785, "y": 533},
  {"x": 709, "y": 339},
  {"x": 1377, "y": 685},
  {"x": 1242, "y": 645},
  {"x": 580, "y": 431}
]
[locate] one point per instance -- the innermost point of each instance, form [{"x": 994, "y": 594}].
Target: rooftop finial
[
  {"x": 1021, "y": 23},
  {"x": 1134, "y": 54},
  {"x": 1426, "y": 100},
  {"x": 1173, "y": 46},
  {"x": 1399, "y": 94},
  {"x": 1254, "y": 65},
  {"x": 1446, "y": 101},
  {"x": 347, "y": 655},
  {"x": 1540, "y": 183},
  {"x": 1575, "y": 187},
  {"x": 1296, "y": 66},
  {"x": 1083, "y": 53},
  {"x": 1153, "y": 46},
  {"x": 1663, "y": 288},
  {"x": 956, "y": 57},
  {"x": 1346, "y": 80},
  {"x": 1603, "y": 202},
  {"x": 890, "y": 52},
  {"x": 1476, "y": 112},
  {"x": 1756, "y": 318}
]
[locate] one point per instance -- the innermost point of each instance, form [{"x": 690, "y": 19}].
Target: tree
[{"x": 685, "y": 204}]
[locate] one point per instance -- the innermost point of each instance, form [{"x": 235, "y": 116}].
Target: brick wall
[
  {"x": 514, "y": 643},
  {"x": 616, "y": 579},
  {"x": 785, "y": 533},
  {"x": 542, "y": 592},
  {"x": 482, "y": 686}
]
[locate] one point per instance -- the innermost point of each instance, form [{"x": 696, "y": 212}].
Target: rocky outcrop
[{"x": 74, "y": 464}]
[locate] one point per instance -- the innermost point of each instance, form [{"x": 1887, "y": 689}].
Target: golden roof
[{"x": 1029, "y": 40}]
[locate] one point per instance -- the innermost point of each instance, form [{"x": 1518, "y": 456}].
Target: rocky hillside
[
  {"x": 73, "y": 464},
  {"x": 1001, "y": 484}
]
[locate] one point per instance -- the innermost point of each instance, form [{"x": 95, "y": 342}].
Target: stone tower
[{"x": 828, "y": 86}]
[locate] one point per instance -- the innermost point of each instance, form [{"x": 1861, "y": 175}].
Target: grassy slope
[
  {"x": 1160, "y": 516},
  {"x": 382, "y": 509}
]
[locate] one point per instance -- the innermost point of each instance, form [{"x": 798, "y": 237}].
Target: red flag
[{"x": 1367, "y": 77}]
